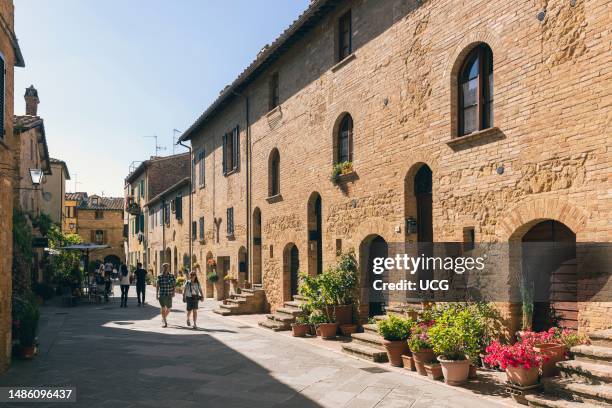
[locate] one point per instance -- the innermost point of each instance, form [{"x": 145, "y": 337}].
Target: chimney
[{"x": 31, "y": 100}]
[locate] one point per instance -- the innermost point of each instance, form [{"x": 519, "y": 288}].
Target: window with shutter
[
  {"x": 194, "y": 230},
  {"x": 93, "y": 236},
  {"x": 230, "y": 221},
  {"x": 201, "y": 228},
  {"x": 178, "y": 208},
  {"x": 201, "y": 169},
  {"x": 141, "y": 223},
  {"x": 345, "y": 34},
  {"x": 224, "y": 154},
  {"x": 235, "y": 148}
]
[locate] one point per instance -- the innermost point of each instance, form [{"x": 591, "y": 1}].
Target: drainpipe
[
  {"x": 248, "y": 185},
  {"x": 190, "y": 204}
]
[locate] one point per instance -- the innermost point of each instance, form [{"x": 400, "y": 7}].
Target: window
[
  {"x": 274, "y": 91},
  {"x": 70, "y": 211},
  {"x": 476, "y": 91},
  {"x": 230, "y": 151},
  {"x": 178, "y": 208},
  {"x": 345, "y": 140},
  {"x": 95, "y": 201},
  {"x": 230, "y": 221},
  {"x": 167, "y": 213},
  {"x": 274, "y": 174},
  {"x": 98, "y": 236},
  {"x": 345, "y": 34},
  {"x": 469, "y": 238},
  {"x": 99, "y": 215},
  {"x": 2, "y": 92},
  {"x": 201, "y": 169},
  {"x": 141, "y": 188},
  {"x": 194, "y": 230},
  {"x": 201, "y": 228}
]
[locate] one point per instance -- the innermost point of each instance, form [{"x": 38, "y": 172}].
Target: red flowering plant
[
  {"x": 519, "y": 354},
  {"x": 419, "y": 336},
  {"x": 532, "y": 338}
]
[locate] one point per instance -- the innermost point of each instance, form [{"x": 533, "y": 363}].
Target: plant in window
[{"x": 340, "y": 169}]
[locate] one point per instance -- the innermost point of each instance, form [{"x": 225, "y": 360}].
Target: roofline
[
  {"x": 316, "y": 10},
  {"x": 63, "y": 164},
  {"x": 19, "y": 61},
  {"x": 176, "y": 186},
  {"x": 142, "y": 166}
]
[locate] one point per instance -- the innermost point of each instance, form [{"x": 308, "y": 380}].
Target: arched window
[
  {"x": 274, "y": 174},
  {"x": 344, "y": 146},
  {"x": 476, "y": 91}
]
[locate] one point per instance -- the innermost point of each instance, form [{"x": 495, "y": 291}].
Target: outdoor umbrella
[{"x": 85, "y": 248}]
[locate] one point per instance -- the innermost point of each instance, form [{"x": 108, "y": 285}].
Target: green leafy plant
[
  {"x": 62, "y": 262},
  {"x": 180, "y": 281},
  {"x": 395, "y": 328},
  {"x": 28, "y": 316},
  {"x": 318, "y": 318},
  {"x": 44, "y": 223},
  {"x": 212, "y": 277},
  {"x": 339, "y": 169},
  {"x": 44, "y": 290},
  {"x": 302, "y": 319},
  {"x": 456, "y": 335}
]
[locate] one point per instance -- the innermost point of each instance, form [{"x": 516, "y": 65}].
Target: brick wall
[
  {"x": 552, "y": 105},
  {"x": 111, "y": 224}
]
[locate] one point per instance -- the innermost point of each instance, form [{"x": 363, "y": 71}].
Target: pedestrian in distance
[
  {"x": 141, "y": 283},
  {"x": 192, "y": 294},
  {"x": 124, "y": 281},
  {"x": 166, "y": 284}
]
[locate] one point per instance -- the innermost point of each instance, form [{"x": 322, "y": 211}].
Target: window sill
[
  {"x": 230, "y": 237},
  {"x": 229, "y": 173},
  {"x": 273, "y": 112},
  {"x": 346, "y": 178},
  {"x": 274, "y": 199},
  {"x": 485, "y": 135},
  {"x": 343, "y": 62}
]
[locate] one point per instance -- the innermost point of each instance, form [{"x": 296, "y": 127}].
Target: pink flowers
[
  {"x": 532, "y": 338},
  {"x": 520, "y": 354}
]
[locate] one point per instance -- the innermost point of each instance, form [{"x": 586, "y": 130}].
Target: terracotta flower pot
[
  {"x": 299, "y": 330},
  {"x": 343, "y": 314},
  {"x": 434, "y": 370},
  {"x": 420, "y": 358},
  {"x": 521, "y": 376},
  {"x": 27, "y": 352},
  {"x": 328, "y": 330},
  {"x": 408, "y": 362},
  {"x": 455, "y": 371},
  {"x": 348, "y": 329},
  {"x": 552, "y": 353},
  {"x": 395, "y": 349}
]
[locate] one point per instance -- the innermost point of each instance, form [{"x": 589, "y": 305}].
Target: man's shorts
[{"x": 165, "y": 301}]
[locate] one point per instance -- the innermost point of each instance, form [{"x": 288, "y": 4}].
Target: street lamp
[{"x": 36, "y": 175}]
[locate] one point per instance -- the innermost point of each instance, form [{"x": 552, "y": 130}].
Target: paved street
[{"x": 124, "y": 358}]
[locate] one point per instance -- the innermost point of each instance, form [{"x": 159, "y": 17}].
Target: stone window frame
[
  {"x": 274, "y": 174},
  {"x": 337, "y": 135},
  {"x": 344, "y": 51},
  {"x": 485, "y": 90}
]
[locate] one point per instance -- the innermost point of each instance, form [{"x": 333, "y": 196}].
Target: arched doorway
[
  {"x": 242, "y": 264},
  {"x": 550, "y": 276},
  {"x": 315, "y": 239},
  {"x": 175, "y": 263},
  {"x": 291, "y": 268},
  {"x": 373, "y": 246},
  {"x": 257, "y": 258}
]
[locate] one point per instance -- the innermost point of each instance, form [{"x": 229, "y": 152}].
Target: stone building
[
  {"x": 147, "y": 180},
  {"x": 10, "y": 57},
  {"x": 100, "y": 221},
  {"x": 71, "y": 204},
  {"x": 168, "y": 235},
  {"x": 463, "y": 122},
  {"x": 54, "y": 191}
]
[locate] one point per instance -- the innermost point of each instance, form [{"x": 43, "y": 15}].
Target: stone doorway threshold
[{"x": 490, "y": 385}]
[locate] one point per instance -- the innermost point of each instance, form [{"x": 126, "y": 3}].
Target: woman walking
[
  {"x": 124, "y": 281},
  {"x": 192, "y": 293}
]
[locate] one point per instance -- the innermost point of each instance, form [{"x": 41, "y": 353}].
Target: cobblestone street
[{"x": 124, "y": 358}]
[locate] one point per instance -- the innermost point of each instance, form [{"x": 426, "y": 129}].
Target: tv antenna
[
  {"x": 175, "y": 138},
  {"x": 158, "y": 148},
  {"x": 76, "y": 182}
]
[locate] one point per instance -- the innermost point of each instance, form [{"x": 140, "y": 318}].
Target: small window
[
  {"x": 230, "y": 221},
  {"x": 95, "y": 201},
  {"x": 178, "y": 208},
  {"x": 476, "y": 91},
  {"x": 99, "y": 237},
  {"x": 274, "y": 91},
  {"x": 201, "y": 169},
  {"x": 231, "y": 150},
  {"x": 99, "y": 215},
  {"x": 345, "y": 34},
  {"x": 194, "y": 230},
  {"x": 469, "y": 238},
  {"x": 274, "y": 174},
  {"x": 201, "y": 222},
  {"x": 142, "y": 188},
  {"x": 344, "y": 141}
]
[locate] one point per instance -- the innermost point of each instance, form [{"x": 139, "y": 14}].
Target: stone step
[
  {"x": 222, "y": 312},
  {"x": 365, "y": 352},
  {"x": 597, "y": 354},
  {"x": 283, "y": 318},
  {"x": 272, "y": 325},
  {"x": 541, "y": 401},
  {"x": 290, "y": 311},
  {"x": 368, "y": 339},
  {"x": 228, "y": 307},
  {"x": 236, "y": 301},
  {"x": 601, "y": 338},
  {"x": 294, "y": 304},
  {"x": 372, "y": 328},
  {"x": 243, "y": 296},
  {"x": 590, "y": 372},
  {"x": 299, "y": 298},
  {"x": 589, "y": 393}
]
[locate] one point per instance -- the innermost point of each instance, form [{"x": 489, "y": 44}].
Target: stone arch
[
  {"x": 370, "y": 303},
  {"x": 520, "y": 218},
  {"x": 242, "y": 264},
  {"x": 291, "y": 268},
  {"x": 257, "y": 255},
  {"x": 314, "y": 230},
  {"x": 336, "y": 134},
  {"x": 274, "y": 173}
]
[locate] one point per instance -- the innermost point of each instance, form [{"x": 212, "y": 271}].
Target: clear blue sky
[{"x": 110, "y": 72}]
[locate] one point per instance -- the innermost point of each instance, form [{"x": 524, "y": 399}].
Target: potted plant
[
  {"x": 340, "y": 169},
  {"x": 337, "y": 287},
  {"x": 315, "y": 319},
  {"x": 548, "y": 346},
  {"x": 420, "y": 346},
  {"x": 348, "y": 329},
  {"x": 212, "y": 277},
  {"x": 28, "y": 328},
  {"x": 327, "y": 327},
  {"x": 454, "y": 338},
  {"x": 520, "y": 361},
  {"x": 300, "y": 327},
  {"x": 395, "y": 330},
  {"x": 408, "y": 361},
  {"x": 434, "y": 370}
]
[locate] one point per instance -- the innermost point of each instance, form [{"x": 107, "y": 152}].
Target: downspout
[{"x": 190, "y": 228}]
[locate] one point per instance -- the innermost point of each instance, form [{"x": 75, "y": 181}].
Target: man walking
[
  {"x": 141, "y": 283},
  {"x": 166, "y": 284}
]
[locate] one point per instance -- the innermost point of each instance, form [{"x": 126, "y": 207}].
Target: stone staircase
[
  {"x": 284, "y": 316},
  {"x": 248, "y": 301},
  {"x": 367, "y": 345},
  {"x": 585, "y": 381}
]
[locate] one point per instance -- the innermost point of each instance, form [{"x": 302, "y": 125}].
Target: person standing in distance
[
  {"x": 166, "y": 284},
  {"x": 141, "y": 283}
]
